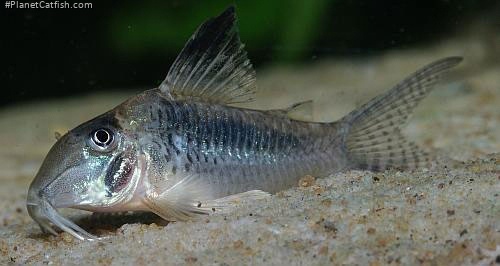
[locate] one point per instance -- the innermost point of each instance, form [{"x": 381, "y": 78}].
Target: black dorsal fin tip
[{"x": 229, "y": 12}]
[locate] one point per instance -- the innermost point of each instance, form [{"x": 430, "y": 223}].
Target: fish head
[{"x": 92, "y": 167}]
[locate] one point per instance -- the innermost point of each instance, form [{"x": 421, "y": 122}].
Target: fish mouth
[{"x": 47, "y": 216}]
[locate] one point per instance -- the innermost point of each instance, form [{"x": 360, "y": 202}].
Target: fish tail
[{"x": 373, "y": 139}]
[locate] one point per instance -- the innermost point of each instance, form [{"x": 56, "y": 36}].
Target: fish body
[
  {"x": 183, "y": 149},
  {"x": 245, "y": 149}
]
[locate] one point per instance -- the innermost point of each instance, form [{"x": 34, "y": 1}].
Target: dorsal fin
[{"x": 213, "y": 66}]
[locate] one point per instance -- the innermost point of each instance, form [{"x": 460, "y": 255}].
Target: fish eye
[{"x": 102, "y": 139}]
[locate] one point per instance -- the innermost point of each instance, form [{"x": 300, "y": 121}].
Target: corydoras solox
[{"x": 182, "y": 149}]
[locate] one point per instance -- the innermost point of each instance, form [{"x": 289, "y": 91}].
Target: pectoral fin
[{"x": 181, "y": 201}]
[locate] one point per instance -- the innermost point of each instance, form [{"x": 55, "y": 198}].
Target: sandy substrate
[{"x": 449, "y": 214}]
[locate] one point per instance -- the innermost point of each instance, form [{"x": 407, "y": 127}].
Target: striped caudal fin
[{"x": 374, "y": 140}]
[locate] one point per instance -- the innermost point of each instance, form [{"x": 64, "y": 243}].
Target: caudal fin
[{"x": 374, "y": 140}]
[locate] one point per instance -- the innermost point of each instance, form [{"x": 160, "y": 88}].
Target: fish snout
[{"x": 46, "y": 216}]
